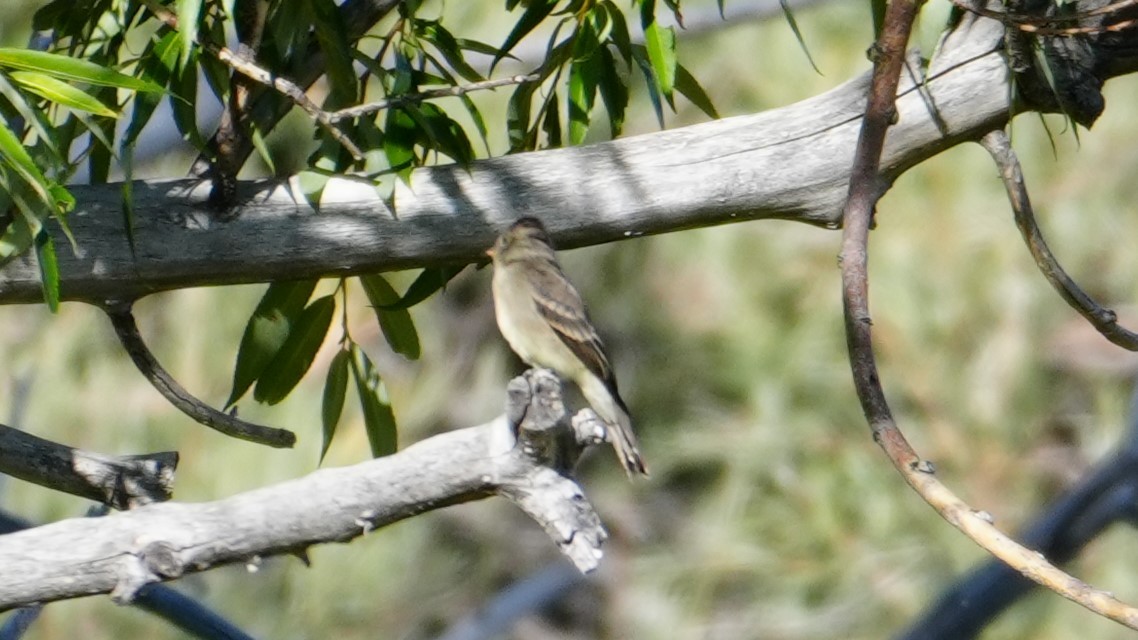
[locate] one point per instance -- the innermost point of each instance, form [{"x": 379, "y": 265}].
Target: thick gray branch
[
  {"x": 121, "y": 553},
  {"x": 788, "y": 163},
  {"x": 121, "y": 482}
]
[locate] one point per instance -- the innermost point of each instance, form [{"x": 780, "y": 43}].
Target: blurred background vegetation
[{"x": 770, "y": 512}]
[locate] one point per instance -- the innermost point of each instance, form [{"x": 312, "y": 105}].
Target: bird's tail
[{"x": 607, "y": 403}]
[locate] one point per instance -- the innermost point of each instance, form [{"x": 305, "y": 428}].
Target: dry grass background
[{"x": 770, "y": 514}]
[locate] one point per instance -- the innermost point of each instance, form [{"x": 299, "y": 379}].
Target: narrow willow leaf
[
  {"x": 266, "y": 331},
  {"x": 157, "y": 64},
  {"x": 335, "y": 389},
  {"x": 620, "y": 35},
  {"x": 184, "y": 100},
  {"x": 68, "y": 68},
  {"x": 797, "y": 33},
  {"x": 449, "y": 46},
  {"x": 49, "y": 269},
  {"x": 34, "y": 117},
  {"x": 399, "y": 140},
  {"x": 189, "y": 11},
  {"x": 535, "y": 12},
  {"x": 518, "y": 115},
  {"x": 59, "y": 92},
  {"x": 614, "y": 91},
  {"x": 641, "y": 56},
  {"x": 331, "y": 36},
  {"x": 397, "y": 325},
  {"x": 551, "y": 124},
  {"x": 379, "y": 419},
  {"x": 258, "y": 140},
  {"x": 660, "y": 43},
  {"x": 13, "y": 153},
  {"x": 583, "y": 78},
  {"x": 689, "y": 87},
  {"x": 295, "y": 356},
  {"x": 429, "y": 281}
]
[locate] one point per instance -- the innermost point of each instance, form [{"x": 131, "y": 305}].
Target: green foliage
[{"x": 62, "y": 109}]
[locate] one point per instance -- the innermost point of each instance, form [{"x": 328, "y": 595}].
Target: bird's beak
[{"x": 490, "y": 252}]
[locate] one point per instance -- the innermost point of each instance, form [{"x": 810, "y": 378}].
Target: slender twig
[
  {"x": 445, "y": 92},
  {"x": 1104, "y": 496},
  {"x": 127, "y": 331},
  {"x": 263, "y": 76},
  {"x": 1102, "y": 319},
  {"x": 864, "y": 191}
]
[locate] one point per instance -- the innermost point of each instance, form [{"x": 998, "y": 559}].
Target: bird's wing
[{"x": 558, "y": 302}]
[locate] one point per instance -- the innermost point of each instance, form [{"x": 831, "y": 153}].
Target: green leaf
[
  {"x": 74, "y": 69},
  {"x": 449, "y": 46},
  {"x": 551, "y": 124},
  {"x": 335, "y": 388},
  {"x": 399, "y": 141},
  {"x": 331, "y": 35},
  {"x": 295, "y": 356},
  {"x": 49, "y": 269},
  {"x": 36, "y": 118},
  {"x": 535, "y": 12},
  {"x": 379, "y": 419},
  {"x": 583, "y": 78},
  {"x": 640, "y": 55},
  {"x": 61, "y": 93},
  {"x": 266, "y": 332},
  {"x": 619, "y": 35},
  {"x": 614, "y": 92},
  {"x": 158, "y": 63},
  {"x": 689, "y": 87},
  {"x": 184, "y": 100},
  {"x": 797, "y": 33},
  {"x": 429, "y": 281},
  {"x": 517, "y": 117},
  {"x": 397, "y": 325},
  {"x": 13, "y": 153},
  {"x": 661, "y": 45},
  {"x": 189, "y": 12}
]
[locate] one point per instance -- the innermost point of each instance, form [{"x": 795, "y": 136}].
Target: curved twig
[
  {"x": 127, "y": 331},
  {"x": 1102, "y": 319},
  {"x": 865, "y": 188},
  {"x": 1105, "y": 495}
]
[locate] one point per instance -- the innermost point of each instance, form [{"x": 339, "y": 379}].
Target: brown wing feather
[{"x": 559, "y": 303}]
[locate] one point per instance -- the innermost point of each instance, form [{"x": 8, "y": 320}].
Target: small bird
[{"x": 542, "y": 316}]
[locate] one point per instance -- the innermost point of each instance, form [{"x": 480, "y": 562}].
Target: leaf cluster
[{"x": 84, "y": 98}]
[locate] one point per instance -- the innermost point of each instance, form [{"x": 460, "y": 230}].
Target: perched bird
[{"x": 543, "y": 318}]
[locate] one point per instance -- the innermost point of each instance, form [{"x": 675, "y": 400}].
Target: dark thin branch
[
  {"x": 1104, "y": 320},
  {"x": 122, "y": 482},
  {"x": 865, "y": 189},
  {"x": 526, "y": 463},
  {"x": 127, "y": 331}
]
